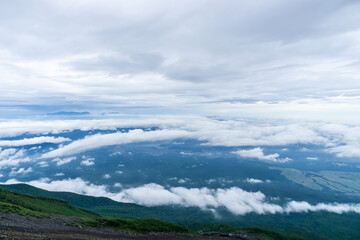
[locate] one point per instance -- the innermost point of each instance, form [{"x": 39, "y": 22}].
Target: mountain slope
[
  {"x": 109, "y": 208},
  {"x": 85, "y": 224},
  {"x": 41, "y": 204}
]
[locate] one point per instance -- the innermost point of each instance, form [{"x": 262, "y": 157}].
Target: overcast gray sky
[{"x": 269, "y": 58}]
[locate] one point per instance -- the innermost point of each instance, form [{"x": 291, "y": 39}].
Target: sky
[{"x": 234, "y": 59}]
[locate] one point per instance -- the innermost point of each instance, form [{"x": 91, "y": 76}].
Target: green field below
[{"x": 345, "y": 182}]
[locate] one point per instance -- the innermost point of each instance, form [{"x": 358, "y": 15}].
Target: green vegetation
[
  {"x": 42, "y": 204},
  {"x": 213, "y": 228},
  {"x": 7, "y": 207},
  {"x": 135, "y": 225},
  {"x": 271, "y": 235},
  {"x": 28, "y": 205},
  {"x": 311, "y": 225},
  {"x": 77, "y": 200}
]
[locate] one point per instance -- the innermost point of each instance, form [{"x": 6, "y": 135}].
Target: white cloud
[
  {"x": 253, "y": 180},
  {"x": 20, "y": 171},
  {"x": 181, "y": 66},
  {"x": 340, "y": 164},
  {"x": 312, "y": 158},
  {"x": 43, "y": 164},
  {"x": 11, "y": 128},
  {"x": 33, "y": 141},
  {"x": 101, "y": 140},
  {"x": 259, "y": 154},
  {"x": 149, "y": 195},
  {"x": 234, "y": 199},
  {"x": 340, "y": 139},
  {"x": 59, "y": 174},
  {"x": 107, "y": 176},
  {"x": 12, "y": 157},
  {"x": 8, "y": 152},
  {"x": 350, "y": 151},
  {"x": 183, "y": 180},
  {"x": 87, "y": 161},
  {"x": 115, "y": 153},
  {"x": 35, "y": 148},
  {"x": 62, "y": 161},
  {"x": 76, "y": 185},
  {"x": 339, "y": 208},
  {"x": 241, "y": 202}
]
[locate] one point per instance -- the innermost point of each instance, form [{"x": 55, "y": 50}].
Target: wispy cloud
[
  {"x": 20, "y": 171},
  {"x": 12, "y": 157},
  {"x": 87, "y": 161},
  {"x": 101, "y": 140},
  {"x": 255, "y": 181},
  {"x": 62, "y": 161},
  {"x": 33, "y": 141}
]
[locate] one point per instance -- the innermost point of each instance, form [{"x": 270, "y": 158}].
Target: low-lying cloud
[{"x": 234, "y": 199}]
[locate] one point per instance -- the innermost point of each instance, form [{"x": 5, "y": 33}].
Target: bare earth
[{"x": 14, "y": 226}]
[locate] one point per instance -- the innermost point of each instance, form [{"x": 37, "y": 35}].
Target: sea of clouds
[{"x": 342, "y": 140}]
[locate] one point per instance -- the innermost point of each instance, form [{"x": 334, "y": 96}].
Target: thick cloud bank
[{"x": 235, "y": 200}]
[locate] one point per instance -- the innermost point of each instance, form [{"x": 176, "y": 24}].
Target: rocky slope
[{"x": 14, "y": 226}]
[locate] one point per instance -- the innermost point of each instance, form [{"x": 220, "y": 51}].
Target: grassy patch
[
  {"x": 7, "y": 207},
  {"x": 212, "y": 228},
  {"x": 271, "y": 235},
  {"x": 43, "y": 204}
]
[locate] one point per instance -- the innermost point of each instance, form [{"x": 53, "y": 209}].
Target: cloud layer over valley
[{"x": 235, "y": 200}]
